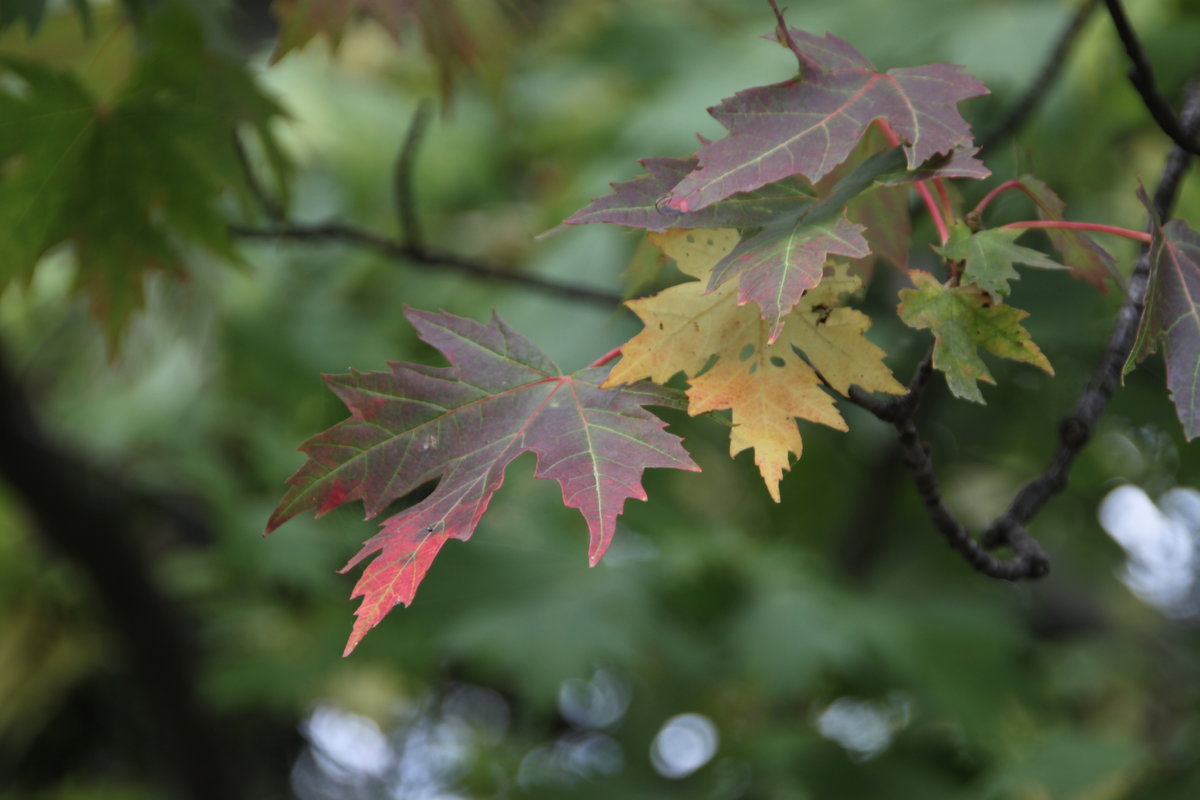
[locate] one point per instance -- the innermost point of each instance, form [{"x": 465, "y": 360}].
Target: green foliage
[
  {"x": 777, "y": 622},
  {"x": 161, "y": 154}
]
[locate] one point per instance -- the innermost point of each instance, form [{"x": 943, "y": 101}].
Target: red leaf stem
[
  {"x": 992, "y": 195},
  {"x": 926, "y": 196},
  {"x": 607, "y": 357},
  {"x": 1095, "y": 227}
]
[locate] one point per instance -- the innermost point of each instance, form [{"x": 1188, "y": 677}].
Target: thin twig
[
  {"x": 410, "y": 246},
  {"x": 270, "y": 208},
  {"x": 1142, "y": 78},
  {"x": 402, "y": 185},
  {"x": 337, "y": 233},
  {"x": 1040, "y": 87}
]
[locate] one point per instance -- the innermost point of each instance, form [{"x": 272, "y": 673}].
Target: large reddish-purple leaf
[
  {"x": 810, "y": 124},
  {"x": 1079, "y": 251},
  {"x": 638, "y": 203},
  {"x": 1172, "y": 316},
  {"x": 462, "y": 425},
  {"x": 777, "y": 266}
]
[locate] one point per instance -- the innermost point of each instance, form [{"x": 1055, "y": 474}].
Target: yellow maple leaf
[{"x": 765, "y": 384}]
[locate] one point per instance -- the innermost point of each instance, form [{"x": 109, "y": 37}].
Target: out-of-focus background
[{"x": 829, "y": 646}]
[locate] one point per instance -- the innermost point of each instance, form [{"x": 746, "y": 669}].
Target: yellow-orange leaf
[{"x": 766, "y": 385}]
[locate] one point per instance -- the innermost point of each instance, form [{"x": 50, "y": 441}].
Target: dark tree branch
[
  {"x": 87, "y": 518},
  {"x": 337, "y": 233},
  {"x": 1142, "y": 78},
  {"x": 1008, "y": 530},
  {"x": 410, "y": 247},
  {"x": 406, "y": 208},
  {"x": 270, "y": 208},
  {"x": 1037, "y": 91}
]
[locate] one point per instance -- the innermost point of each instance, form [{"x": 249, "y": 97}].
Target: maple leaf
[
  {"x": 500, "y": 397},
  {"x": 766, "y": 383},
  {"x": 810, "y": 124},
  {"x": 798, "y": 227},
  {"x": 1079, "y": 251},
  {"x": 455, "y": 37},
  {"x": 777, "y": 266},
  {"x": 988, "y": 257},
  {"x": 1172, "y": 316},
  {"x": 964, "y": 319},
  {"x": 161, "y": 150}
]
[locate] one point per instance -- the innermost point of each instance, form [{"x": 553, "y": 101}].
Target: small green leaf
[
  {"x": 988, "y": 257},
  {"x": 963, "y": 319}
]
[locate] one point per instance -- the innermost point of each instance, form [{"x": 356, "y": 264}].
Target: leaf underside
[
  {"x": 462, "y": 425},
  {"x": 1172, "y": 317}
]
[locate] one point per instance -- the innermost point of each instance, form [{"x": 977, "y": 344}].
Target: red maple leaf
[
  {"x": 810, "y": 124},
  {"x": 500, "y": 397}
]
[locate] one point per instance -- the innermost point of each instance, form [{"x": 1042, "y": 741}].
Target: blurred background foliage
[{"x": 727, "y": 647}]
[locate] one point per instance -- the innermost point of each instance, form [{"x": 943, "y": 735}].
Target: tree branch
[
  {"x": 337, "y": 233},
  {"x": 1142, "y": 78},
  {"x": 1076, "y": 429},
  {"x": 1008, "y": 530},
  {"x": 410, "y": 247},
  {"x": 406, "y": 209},
  {"x": 87, "y": 518}
]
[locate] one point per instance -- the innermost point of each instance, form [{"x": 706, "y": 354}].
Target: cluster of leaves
[
  {"x": 777, "y": 222},
  {"x": 163, "y": 154}
]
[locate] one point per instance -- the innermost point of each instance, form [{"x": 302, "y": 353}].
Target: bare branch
[
  {"x": 270, "y": 208},
  {"x": 337, "y": 233},
  {"x": 406, "y": 210},
  {"x": 1142, "y": 78},
  {"x": 410, "y": 247}
]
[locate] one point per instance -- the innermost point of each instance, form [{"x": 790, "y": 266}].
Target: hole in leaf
[
  {"x": 747, "y": 351},
  {"x": 778, "y": 361},
  {"x": 691, "y": 239},
  {"x": 754, "y": 368},
  {"x": 707, "y": 365}
]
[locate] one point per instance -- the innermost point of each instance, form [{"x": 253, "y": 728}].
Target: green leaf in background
[{"x": 129, "y": 183}]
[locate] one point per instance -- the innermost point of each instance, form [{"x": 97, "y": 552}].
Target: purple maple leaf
[
  {"x": 463, "y": 424},
  {"x": 810, "y": 124}
]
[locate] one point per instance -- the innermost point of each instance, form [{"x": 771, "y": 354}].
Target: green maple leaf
[
  {"x": 988, "y": 257},
  {"x": 126, "y": 183},
  {"x": 964, "y": 319}
]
